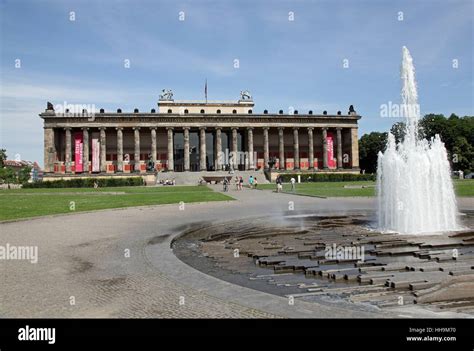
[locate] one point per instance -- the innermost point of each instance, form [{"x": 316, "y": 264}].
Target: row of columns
[{"x": 202, "y": 153}]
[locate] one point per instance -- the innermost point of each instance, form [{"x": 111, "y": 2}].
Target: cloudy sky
[{"x": 318, "y": 55}]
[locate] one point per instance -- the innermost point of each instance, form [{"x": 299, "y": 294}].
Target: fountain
[{"x": 415, "y": 193}]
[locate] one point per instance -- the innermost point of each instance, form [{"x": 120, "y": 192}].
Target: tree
[
  {"x": 369, "y": 147},
  {"x": 24, "y": 174},
  {"x": 462, "y": 155},
  {"x": 457, "y": 134},
  {"x": 3, "y": 156},
  {"x": 7, "y": 175},
  {"x": 398, "y": 131}
]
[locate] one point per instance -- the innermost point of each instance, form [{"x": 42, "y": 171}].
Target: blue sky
[{"x": 283, "y": 63}]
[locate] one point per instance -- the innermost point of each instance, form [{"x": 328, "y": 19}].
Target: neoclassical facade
[{"x": 198, "y": 136}]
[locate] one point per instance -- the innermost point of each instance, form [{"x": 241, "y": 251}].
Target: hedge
[
  {"x": 87, "y": 183},
  {"x": 328, "y": 177}
]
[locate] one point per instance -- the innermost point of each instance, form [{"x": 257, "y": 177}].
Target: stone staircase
[{"x": 193, "y": 178}]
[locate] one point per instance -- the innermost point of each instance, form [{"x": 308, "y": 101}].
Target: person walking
[
  {"x": 279, "y": 185},
  {"x": 293, "y": 184},
  {"x": 226, "y": 185},
  {"x": 241, "y": 183},
  {"x": 255, "y": 183},
  {"x": 251, "y": 182}
]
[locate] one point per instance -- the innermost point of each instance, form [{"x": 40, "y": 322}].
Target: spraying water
[{"x": 415, "y": 193}]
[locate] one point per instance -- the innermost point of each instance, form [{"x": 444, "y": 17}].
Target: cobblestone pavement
[{"x": 117, "y": 263}]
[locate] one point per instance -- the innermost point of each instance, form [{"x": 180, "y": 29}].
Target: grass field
[
  {"x": 24, "y": 203},
  {"x": 337, "y": 189}
]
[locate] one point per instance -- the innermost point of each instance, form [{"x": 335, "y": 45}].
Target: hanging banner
[
  {"x": 95, "y": 153},
  {"x": 78, "y": 152},
  {"x": 330, "y": 140}
]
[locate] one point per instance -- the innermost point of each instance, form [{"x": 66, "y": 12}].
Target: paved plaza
[{"x": 118, "y": 263}]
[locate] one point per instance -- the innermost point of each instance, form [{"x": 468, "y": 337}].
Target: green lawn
[
  {"x": 335, "y": 189},
  {"x": 24, "y": 203}
]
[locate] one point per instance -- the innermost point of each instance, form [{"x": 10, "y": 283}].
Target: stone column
[
  {"x": 136, "y": 138},
  {"x": 49, "y": 150},
  {"x": 85, "y": 150},
  {"x": 234, "y": 148},
  {"x": 266, "y": 150},
  {"x": 325, "y": 148},
  {"x": 202, "y": 149},
  {"x": 218, "y": 149},
  {"x": 170, "y": 149},
  {"x": 103, "y": 150},
  {"x": 153, "y": 145},
  {"x": 250, "y": 164},
  {"x": 296, "y": 149},
  {"x": 68, "y": 150},
  {"x": 310, "y": 148},
  {"x": 119, "y": 149},
  {"x": 354, "y": 148},
  {"x": 281, "y": 146},
  {"x": 187, "y": 165},
  {"x": 339, "y": 148}
]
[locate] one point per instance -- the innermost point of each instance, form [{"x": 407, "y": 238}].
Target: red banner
[
  {"x": 331, "y": 161},
  {"x": 78, "y": 152}
]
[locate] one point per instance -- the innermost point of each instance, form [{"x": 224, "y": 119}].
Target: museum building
[{"x": 184, "y": 135}]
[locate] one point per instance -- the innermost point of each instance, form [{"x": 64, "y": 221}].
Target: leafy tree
[
  {"x": 398, "y": 131},
  {"x": 3, "y": 156},
  {"x": 457, "y": 134},
  {"x": 7, "y": 175},
  {"x": 369, "y": 147},
  {"x": 462, "y": 155},
  {"x": 24, "y": 174}
]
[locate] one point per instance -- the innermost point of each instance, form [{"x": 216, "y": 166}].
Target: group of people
[
  {"x": 166, "y": 182},
  {"x": 253, "y": 183},
  {"x": 239, "y": 183},
  {"x": 279, "y": 184}
]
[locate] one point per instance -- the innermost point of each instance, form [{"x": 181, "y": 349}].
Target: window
[
  {"x": 202, "y": 111},
  {"x": 310, "y": 112},
  {"x": 135, "y": 111},
  {"x": 218, "y": 111},
  {"x": 265, "y": 112},
  {"x": 250, "y": 111},
  {"x": 119, "y": 110},
  {"x": 296, "y": 112},
  {"x": 153, "y": 110},
  {"x": 186, "y": 111},
  {"x": 101, "y": 110},
  {"x": 234, "y": 111},
  {"x": 170, "y": 111},
  {"x": 280, "y": 112}
]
